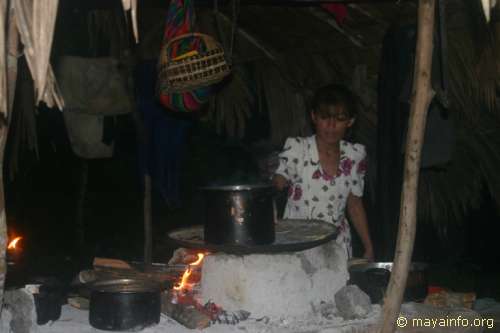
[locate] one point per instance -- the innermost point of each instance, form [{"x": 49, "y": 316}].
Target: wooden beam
[
  {"x": 330, "y": 20},
  {"x": 270, "y": 53},
  {"x": 367, "y": 14},
  {"x": 422, "y": 97}
]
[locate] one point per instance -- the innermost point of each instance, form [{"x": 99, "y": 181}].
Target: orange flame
[
  {"x": 13, "y": 243},
  {"x": 200, "y": 259},
  {"x": 184, "y": 281},
  {"x": 184, "y": 284}
]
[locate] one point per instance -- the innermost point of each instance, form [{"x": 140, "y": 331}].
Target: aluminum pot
[
  {"x": 124, "y": 304},
  {"x": 239, "y": 214},
  {"x": 373, "y": 279}
]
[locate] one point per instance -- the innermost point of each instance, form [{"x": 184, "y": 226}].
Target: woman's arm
[
  {"x": 279, "y": 182},
  {"x": 357, "y": 213}
]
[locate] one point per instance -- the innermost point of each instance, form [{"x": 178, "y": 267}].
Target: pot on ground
[
  {"x": 124, "y": 304},
  {"x": 373, "y": 279}
]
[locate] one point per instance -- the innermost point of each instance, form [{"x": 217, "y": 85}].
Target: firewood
[
  {"x": 107, "y": 268},
  {"x": 110, "y": 263},
  {"x": 187, "y": 315}
]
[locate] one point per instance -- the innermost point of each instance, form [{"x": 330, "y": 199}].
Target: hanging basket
[{"x": 191, "y": 70}]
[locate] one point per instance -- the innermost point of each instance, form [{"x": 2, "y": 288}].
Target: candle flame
[{"x": 12, "y": 245}]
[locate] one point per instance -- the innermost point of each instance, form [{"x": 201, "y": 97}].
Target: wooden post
[
  {"x": 422, "y": 97},
  {"x": 143, "y": 139},
  {"x": 148, "y": 225},
  {"x": 80, "y": 204},
  {"x": 10, "y": 47}
]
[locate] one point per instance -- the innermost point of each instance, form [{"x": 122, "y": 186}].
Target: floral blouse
[{"x": 312, "y": 193}]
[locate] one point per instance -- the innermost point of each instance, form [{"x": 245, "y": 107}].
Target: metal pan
[
  {"x": 124, "y": 304},
  {"x": 373, "y": 279}
]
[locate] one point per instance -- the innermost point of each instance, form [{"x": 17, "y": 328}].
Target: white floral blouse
[{"x": 312, "y": 193}]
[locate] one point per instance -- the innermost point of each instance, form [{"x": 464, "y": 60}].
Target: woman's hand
[{"x": 369, "y": 254}]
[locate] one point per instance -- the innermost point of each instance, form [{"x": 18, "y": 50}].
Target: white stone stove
[{"x": 278, "y": 286}]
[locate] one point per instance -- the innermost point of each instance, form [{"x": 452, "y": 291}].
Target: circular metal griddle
[{"x": 291, "y": 235}]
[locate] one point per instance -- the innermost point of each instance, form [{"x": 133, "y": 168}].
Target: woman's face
[{"x": 331, "y": 123}]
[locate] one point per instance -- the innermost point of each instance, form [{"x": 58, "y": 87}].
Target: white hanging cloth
[
  {"x": 3, "y": 61},
  {"x": 487, "y": 5},
  {"x": 36, "y": 22},
  {"x": 132, "y": 6}
]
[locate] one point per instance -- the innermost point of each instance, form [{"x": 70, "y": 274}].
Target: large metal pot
[
  {"x": 124, "y": 304},
  {"x": 373, "y": 279},
  {"x": 239, "y": 214}
]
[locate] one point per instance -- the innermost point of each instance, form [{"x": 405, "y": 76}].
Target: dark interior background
[{"x": 42, "y": 198}]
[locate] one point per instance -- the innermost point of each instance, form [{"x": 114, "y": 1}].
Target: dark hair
[{"x": 335, "y": 95}]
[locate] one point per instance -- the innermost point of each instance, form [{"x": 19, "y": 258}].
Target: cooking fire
[{"x": 185, "y": 285}]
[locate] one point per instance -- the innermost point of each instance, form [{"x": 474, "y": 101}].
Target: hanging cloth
[{"x": 180, "y": 21}]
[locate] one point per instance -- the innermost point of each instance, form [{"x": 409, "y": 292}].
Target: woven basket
[{"x": 192, "y": 71}]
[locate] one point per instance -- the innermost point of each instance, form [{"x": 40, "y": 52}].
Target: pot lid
[
  {"x": 125, "y": 286},
  {"x": 290, "y": 235}
]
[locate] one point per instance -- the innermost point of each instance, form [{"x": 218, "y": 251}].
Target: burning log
[
  {"x": 186, "y": 310},
  {"x": 188, "y": 315},
  {"x": 183, "y": 256},
  {"x": 111, "y": 263}
]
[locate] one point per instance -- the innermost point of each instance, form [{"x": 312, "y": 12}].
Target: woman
[{"x": 325, "y": 173}]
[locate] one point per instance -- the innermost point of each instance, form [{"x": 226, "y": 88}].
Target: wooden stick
[
  {"x": 110, "y": 263},
  {"x": 416, "y": 127},
  {"x": 80, "y": 204},
  {"x": 148, "y": 228}
]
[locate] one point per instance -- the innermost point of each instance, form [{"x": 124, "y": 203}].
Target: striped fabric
[{"x": 180, "y": 20}]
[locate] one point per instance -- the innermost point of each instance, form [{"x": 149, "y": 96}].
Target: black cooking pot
[
  {"x": 239, "y": 214},
  {"x": 373, "y": 279},
  {"x": 124, "y": 304}
]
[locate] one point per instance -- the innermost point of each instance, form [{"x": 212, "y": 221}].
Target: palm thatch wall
[
  {"x": 294, "y": 50},
  {"x": 282, "y": 53}
]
